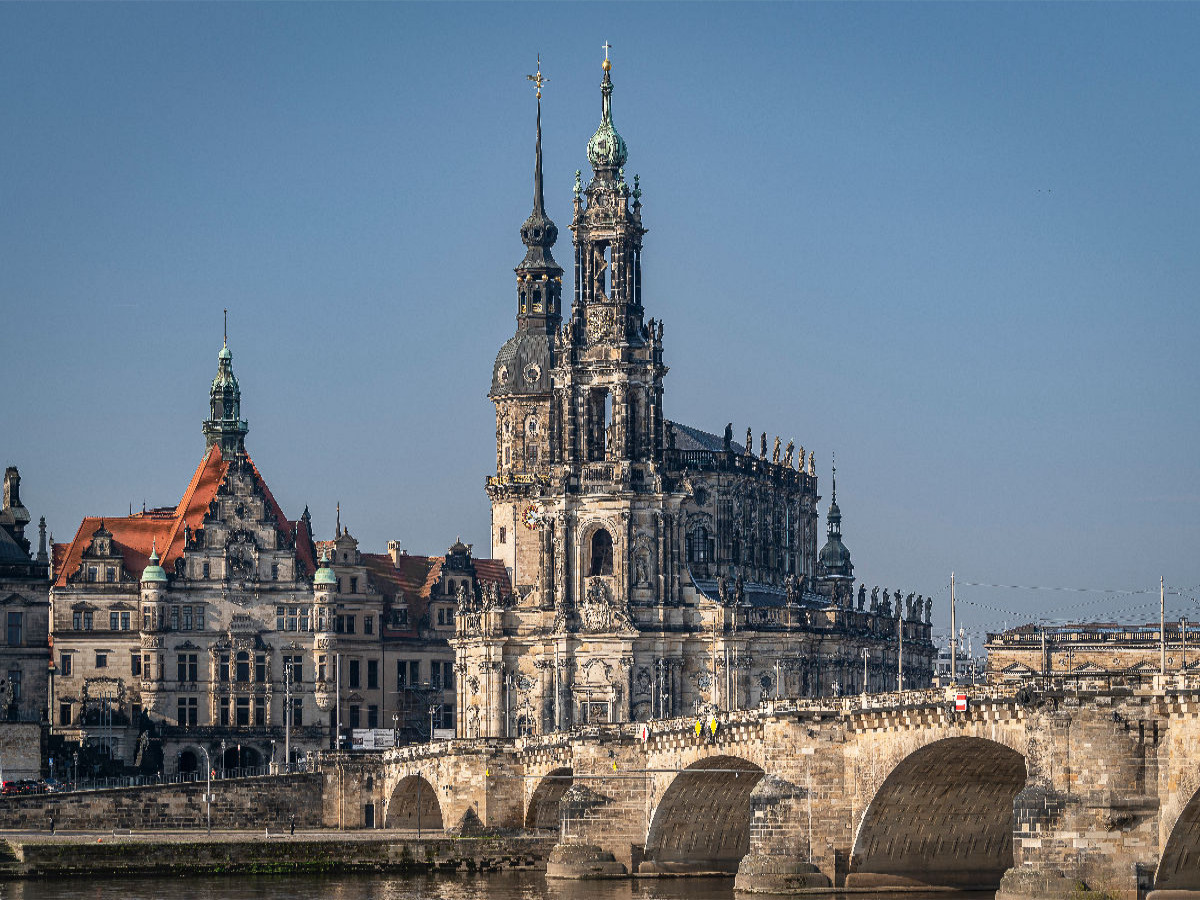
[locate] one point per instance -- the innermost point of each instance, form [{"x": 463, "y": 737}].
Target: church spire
[{"x": 539, "y": 277}]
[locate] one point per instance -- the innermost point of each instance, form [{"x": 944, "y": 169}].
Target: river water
[{"x": 516, "y": 886}]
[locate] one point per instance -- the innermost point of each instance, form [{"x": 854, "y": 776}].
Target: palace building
[
  {"x": 216, "y": 632},
  {"x": 657, "y": 569}
]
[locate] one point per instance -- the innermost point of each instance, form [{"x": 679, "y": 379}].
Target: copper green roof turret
[
  {"x": 225, "y": 425},
  {"x": 154, "y": 573},
  {"x": 606, "y": 149}
]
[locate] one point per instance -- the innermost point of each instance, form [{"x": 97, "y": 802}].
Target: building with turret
[
  {"x": 657, "y": 569},
  {"x": 214, "y": 632}
]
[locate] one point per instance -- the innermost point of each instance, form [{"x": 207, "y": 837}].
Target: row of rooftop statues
[
  {"x": 775, "y": 452},
  {"x": 911, "y": 607}
]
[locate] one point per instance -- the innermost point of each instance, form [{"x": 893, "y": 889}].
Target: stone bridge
[{"x": 1033, "y": 792}]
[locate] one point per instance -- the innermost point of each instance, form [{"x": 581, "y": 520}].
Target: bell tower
[
  {"x": 611, "y": 397},
  {"x": 521, "y": 388}
]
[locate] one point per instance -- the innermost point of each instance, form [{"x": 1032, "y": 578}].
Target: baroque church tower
[{"x": 657, "y": 569}]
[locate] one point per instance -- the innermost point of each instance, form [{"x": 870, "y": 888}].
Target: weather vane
[{"x": 538, "y": 79}]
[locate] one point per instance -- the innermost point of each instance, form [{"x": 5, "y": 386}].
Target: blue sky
[{"x": 953, "y": 243}]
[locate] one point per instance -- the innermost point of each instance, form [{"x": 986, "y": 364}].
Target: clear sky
[{"x": 956, "y": 244}]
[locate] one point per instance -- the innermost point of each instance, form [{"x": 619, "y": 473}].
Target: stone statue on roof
[
  {"x": 728, "y": 440},
  {"x": 749, "y": 442},
  {"x": 875, "y": 599},
  {"x": 800, "y": 462},
  {"x": 763, "y": 446},
  {"x": 775, "y": 452},
  {"x": 928, "y": 610},
  {"x": 787, "y": 459},
  {"x": 812, "y": 463},
  {"x": 862, "y": 596}
]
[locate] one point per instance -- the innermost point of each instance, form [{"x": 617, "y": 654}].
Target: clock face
[
  {"x": 532, "y": 373},
  {"x": 532, "y": 517}
]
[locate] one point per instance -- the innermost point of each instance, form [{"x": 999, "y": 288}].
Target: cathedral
[{"x": 657, "y": 569}]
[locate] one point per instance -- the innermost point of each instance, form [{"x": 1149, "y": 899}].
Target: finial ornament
[
  {"x": 225, "y": 329},
  {"x": 607, "y": 64},
  {"x": 833, "y": 460},
  {"x": 538, "y": 79}
]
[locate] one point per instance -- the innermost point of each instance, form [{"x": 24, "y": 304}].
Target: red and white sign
[
  {"x": 644, "y": 733},
  {"x": 960, "y": 702}
]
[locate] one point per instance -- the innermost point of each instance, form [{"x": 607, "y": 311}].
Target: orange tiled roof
[{"x": 134, "y": 536}]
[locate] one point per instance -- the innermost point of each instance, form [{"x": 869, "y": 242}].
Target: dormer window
[{"x": 110, "y": 574}]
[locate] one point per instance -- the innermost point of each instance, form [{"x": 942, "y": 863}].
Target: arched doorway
[
  {"x": 189, "y": 761},
  {"x": 542, "y": 814},
  {"x": 413, "y": 805},
  {"x": 1179, "y": 866},
  {"x": 702, "y": 823},
  {"x": 944, "y": 817}
]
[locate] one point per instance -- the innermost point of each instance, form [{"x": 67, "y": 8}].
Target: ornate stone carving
[{"x": 600, "y": 612}]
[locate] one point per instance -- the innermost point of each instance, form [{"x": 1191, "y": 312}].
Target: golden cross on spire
[{"x": 539, "y": 79}]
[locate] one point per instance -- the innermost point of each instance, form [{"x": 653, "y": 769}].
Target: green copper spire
[{"x": 606, "y": 149}]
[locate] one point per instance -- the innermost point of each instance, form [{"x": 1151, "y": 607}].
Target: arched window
[
  {"x": 243, "y": 666},
  {"x": 602, "y": 553}
]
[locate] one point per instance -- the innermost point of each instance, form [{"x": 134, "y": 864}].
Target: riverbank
[{"x": 41, "y": 855}]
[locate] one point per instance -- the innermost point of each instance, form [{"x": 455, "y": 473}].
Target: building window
[
  {"x": 14, "y": 629},
  {"x": 372, "y": 676},
  {"x": 243, "y": 667},
  {"x": 260, "y": 669},
  {"x": 110, "y": 574},
  {"x": 441, "y": 615},
  {"x": 101, "y": 660},
  {"x": 135, "y": 663},
  {"x": 187, "y": 667},
  {"x": 114, "y": 621},
  {"x": 146, "y": 666},
  {"x": 124, "y": 621},
  {"x": 205, "y": 570},
  {"x": 64, "y": 714},
  {"x": 275, "y": 571},
  {"x": 503, "y": 535},
  {"x": 223, "y": 667},
  {"x": 297, "y": 712},
  {"x": 187, "y": 618},
  {"x": 87, "y": 620},
  {"x": 242, "y": 711},
  {"x": 304, "y": 619},
  {"x": 293, "y": 668},
  {"x": 188, "y": 712},
  {"x": 145, "y": 618},
  {"x": 355, "y": 710},
  {"x": 280, "y": 615},
  {"x": 64, "y": 665},
  {"x": 174, "y": 618},
  {"x": 199, "y": 610},
  {"x": 354, "y": 673},
  {"x": 698, "y": 550},
  {"x": 354, "y": 584},
  {"x": 321, "y": 668},
  {"x": 260, "y": 711},
  {"x": 372, "y": 716},
  {"x": 602, "y": 553},
  {"x": 368, "y": 624},
  {"x": 224, "y": 707},
  {"x": 77, "y": 620},
  {"x": 91, "y": 573}
]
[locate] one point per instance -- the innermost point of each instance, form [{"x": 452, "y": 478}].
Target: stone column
[{"x": 779, "y": 861}]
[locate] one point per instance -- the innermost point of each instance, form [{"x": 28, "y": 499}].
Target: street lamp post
[{"x": 208, "y": 770}]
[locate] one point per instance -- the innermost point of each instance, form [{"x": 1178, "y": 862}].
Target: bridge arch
[
  {"x": 943, "y": 816},
  {"x": 542, "y": 811},
  {"x": 702, "y": 822},
  {"x": 413, "y": 804},
  {"x": 1179, "y": 866}
]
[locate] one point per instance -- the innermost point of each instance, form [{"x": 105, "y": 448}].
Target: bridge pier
[
  {"x": 779, "y": 861},
  {"x": 1088, "y": 815}
]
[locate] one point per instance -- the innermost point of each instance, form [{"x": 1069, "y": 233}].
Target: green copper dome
[
  {"x": 606, "y": 149},
  {"x": 324, "y": 575},
  {"x": 154, "y": 573}
]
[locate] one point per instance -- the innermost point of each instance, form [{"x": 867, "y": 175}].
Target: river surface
[{"x": 515, "y": 886}]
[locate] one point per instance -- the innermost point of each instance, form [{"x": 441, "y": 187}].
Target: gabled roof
[{"x": 135, "y": 536}]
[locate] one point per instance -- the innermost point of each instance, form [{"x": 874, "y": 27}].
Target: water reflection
[{"x": 512, "y": 886}]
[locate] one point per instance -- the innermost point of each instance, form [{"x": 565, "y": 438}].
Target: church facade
[{"x": 657, "y": 569}]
